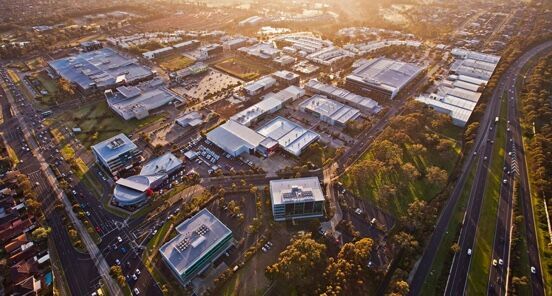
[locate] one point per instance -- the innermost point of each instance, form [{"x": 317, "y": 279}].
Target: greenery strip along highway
[
  {"x": 440, "y": 268},
  {"x": 533, "y": 101},
  {"x": 481, "y": 261},
  {"x": 519, "y": 260}
]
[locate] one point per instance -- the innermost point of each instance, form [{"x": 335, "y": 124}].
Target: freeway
[
  {"x": 461, "y": 261},
  {"x": 537, "y": 284}
]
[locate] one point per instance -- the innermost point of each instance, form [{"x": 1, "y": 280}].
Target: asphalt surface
[{"x": 459, "y": 270}]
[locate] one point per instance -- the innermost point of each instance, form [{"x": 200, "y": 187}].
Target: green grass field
[
  {"x": 98, "y": 122},
  {"x": 174, "y": 62},
  {"x": 481, "y": 260},
  {"x": 436, "y": 280},
  {"x": 241, "y": 68}
]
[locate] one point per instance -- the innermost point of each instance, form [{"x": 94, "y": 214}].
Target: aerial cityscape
[{"x": 303, "y": 147}]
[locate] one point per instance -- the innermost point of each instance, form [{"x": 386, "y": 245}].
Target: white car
[
  {"x": 119, "y": 239},
  {"x": 533, "y": 270},
  {"x": 134, "y": 277},
  {"x": 469, "y": 252},
  {"x": 117, "y": 261},
  {"x": 136, "y": 291},
  {"x": 500, "y": 262},
  {"x": 494, "y": 262},
  {"x": 137, "y": 271},
  {"x": 358, "y": 211}
]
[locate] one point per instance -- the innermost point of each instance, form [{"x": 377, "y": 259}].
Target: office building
[
  {"x": 199, "y": 241},
  {"x": 294, "y": 199},
  {"x": 116, "y": 153},
  {"x": 382, "y": 77}
]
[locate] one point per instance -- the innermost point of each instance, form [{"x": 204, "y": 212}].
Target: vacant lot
[
  {"x": 242, "y": 69},
  {"x": 98, "y": 122},
  {"x": 174, "y": 63}
]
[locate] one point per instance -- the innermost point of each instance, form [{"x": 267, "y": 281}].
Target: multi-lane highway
[{"x": 481, "y": 150}]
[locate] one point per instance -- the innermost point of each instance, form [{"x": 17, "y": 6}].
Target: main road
[{"x": 481, "y": 149}]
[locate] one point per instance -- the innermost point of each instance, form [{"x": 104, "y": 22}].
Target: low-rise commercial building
[
  {"x": 329, "y": 111},
  {"x": 191, "y": 119},
  {"x": 235, "y": 139},
  {"x": 116, "y": 153},
  {"x": 286, "y": 77},
  {"x": 137, "y": 101},
  {"x": 344, "y": 96},
  {"x": 330, "y": 56},
  {"x": 294, "y": 199},
  {"x": 291, "y": 137},
  {"x": 259, "y": 86},
  {"x": 200, "y": 240},
  {"x": 265, "y": 51},
  {"x": 290, "y": 93},
  {"x": 382, "y": 77},
  {"x": 254, "y": 113}
]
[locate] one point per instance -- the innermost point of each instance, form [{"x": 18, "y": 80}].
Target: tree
[
  {"x": 41, "y": 233},
  {"x": 345, "y": 275},
  {"x": 406, "y": 242},
  {"x": 401, "y": 288},
  {"x": 299, "y": 264},
  {"x": 455, "y": 248},
  {"x": 436, "y": 175},
  {"x": 410, "y": 171}
]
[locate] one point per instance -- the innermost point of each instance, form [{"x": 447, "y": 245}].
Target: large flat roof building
[
  {"x": 260, "y": 85},
  {"x": 300, "y": 198},
  {"x": 252, "y": 114},
  {"x": 200, "y": 240},
  {"x": 290, "y": 93},
  {"x": 290, "y": 136},
  {"x": 99, "y": 70},
  {"x": 329, "y": 111},
  {"x": 344, "y": 96},
  {"x": 136, "y": 101},
  {"x": 235, "y": 138},
  {"x": 382, "y": 77},
  {"x": 116, "y": 153},
  {"x": 459, "y": 94},
  {"x": 330, "y": 56}
]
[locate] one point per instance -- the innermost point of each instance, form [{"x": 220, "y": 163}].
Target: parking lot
[
  {"x": 199, "y": 87},
  {"x": 207, "y": 159}
]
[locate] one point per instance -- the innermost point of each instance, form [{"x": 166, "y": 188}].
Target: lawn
[
  {"x": 36, "y": 63},
  {"x": 436, "y": 280},
  {"x": 98, "y": 122},
  {"x": 478, "y": 276},
  {"x": 174, "y": 63},
  {"x": 241, "y": 68}
]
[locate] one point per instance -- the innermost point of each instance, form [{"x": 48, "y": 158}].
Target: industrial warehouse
[
  {"x": 458, "y": 95},
  {"x": 382, "y": 77}
]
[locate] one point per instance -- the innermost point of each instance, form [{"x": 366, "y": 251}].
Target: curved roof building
[{"x": 134, "y": 190}]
